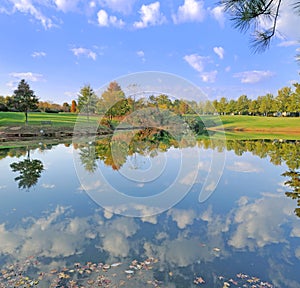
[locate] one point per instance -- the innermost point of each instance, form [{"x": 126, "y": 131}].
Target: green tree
[
  {"x": 249, "y": 14},
  {"x": 294, "y": 103},
  {"x": 87, "y": 100},
  {"x": 253, "y": 107},
  {"x": 24, "y": 99},
  {"x": 282, "y": 99},
  {"x": 223, "y": 106},
  {"x": 266, "y": 104},
  {"x": 231, "y": 107},
  {"x": 242, "y": 105}
]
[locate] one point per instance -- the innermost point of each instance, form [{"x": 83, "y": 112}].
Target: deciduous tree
[{"x": 87, "y": 100}]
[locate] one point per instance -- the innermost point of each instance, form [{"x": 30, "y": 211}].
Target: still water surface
[{"x": 52, "y": 234}]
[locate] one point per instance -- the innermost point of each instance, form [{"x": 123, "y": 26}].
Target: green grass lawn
[
  {"x": 260, "y": 123},
  {"x": 35, "y": 118}
]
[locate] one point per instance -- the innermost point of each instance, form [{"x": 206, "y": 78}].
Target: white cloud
[
  {"x": 219, "y": 51},
  {"x": 66, "y": 5},
  {"x": 244, "y": 167},
  {"x": 116, "y": 244},
  {"x": 122, "y": 6},
  {"x": 190, "y": 11},
  {"x": 46, "y": 236},
  {"x": 288, "y": 43},
  {"x": 182, "y": 217},
  {"x": 29, "y": 76},
  {"x": 105, "y": 20},
  {"x": 141, "y": 54},
  {"x": 48, "y": 186},
  {"x": 218, "y": 14},
  {"x": 296, "y": 230},
  {"x": 92, "y": 4},
  {"x": 38, "y": 54},
  {"x": 84, "y": 51},
  {"x": 288, "y": 21},
  {"x": 196, "y": 61},
  {"x": 209, "y": 76},
  {"x": 150, "y": 16},
  {"x": 102, "y": 18},
  {"x": 260, "y": 223},
  {"x": 26, "y": 7},
  {"x": 253, "y": 76}
]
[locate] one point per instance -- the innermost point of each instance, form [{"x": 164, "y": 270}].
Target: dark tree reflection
[
  {"x": 294, "y": 184},
  {"x": 29, "y": 172}
]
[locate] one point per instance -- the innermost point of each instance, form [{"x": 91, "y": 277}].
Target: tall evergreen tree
[{"x": 24, "y": 99}]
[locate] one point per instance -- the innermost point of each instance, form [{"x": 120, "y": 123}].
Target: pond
[{"x": 245, "y": 233}]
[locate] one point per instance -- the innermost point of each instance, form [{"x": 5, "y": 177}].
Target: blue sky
[{"x": 60, "y": 45}]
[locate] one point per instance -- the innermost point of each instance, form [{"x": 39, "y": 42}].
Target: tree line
[{"x": 113, "y": 103}]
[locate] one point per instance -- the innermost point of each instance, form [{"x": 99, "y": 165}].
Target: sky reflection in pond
[{"x": 247, "y": 226}]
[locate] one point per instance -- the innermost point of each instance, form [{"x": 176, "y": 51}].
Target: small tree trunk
[{"x": 26, "y": 117}]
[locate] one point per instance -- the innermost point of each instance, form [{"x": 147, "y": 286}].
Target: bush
[{"x": 3, "y": 107}]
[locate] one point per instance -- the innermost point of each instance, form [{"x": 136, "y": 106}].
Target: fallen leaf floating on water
[{"x": 199, "y": 280}]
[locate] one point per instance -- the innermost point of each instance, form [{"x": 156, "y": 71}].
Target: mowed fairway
[
  {"x": 35, "y": 118},
  {"x": 259, "y": 123},
  {"x": 258, "y": 127}
]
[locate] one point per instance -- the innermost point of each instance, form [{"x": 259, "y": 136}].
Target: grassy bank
[
  {"x": 236, "y": 127},
  {"x": 258, "y": 123},
  {"x": 18, "y": 119}
]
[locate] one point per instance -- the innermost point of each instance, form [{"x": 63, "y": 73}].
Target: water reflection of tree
[
  {"x": 294, "y": 184},
  {"x": 29, "y": 171},
  {"x": 88, "y": 158}
]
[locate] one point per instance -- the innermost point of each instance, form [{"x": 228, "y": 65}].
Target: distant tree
[
  {"x": 24, "y": 99},
  {"x": 183, "y": 107},
  {"x": 266, "y": 104},
  {"x": 247, "y": 14},
  {"x": 215, "y": 103},
  {"x": 223, "y": 105},
  {"x": 231, "y": 107},
  {"x": 163, "y": 101},
  {"x": 242, "y": 104},
  {"x": 208, "y": 107},
  {"x": 66, "y": 107},
  {"x": 3, "y": 106},
  {"x": 113, "y": 102},
  {"x": 87, "y": 100},
  {"x": 253, "y": 107},
  {"x": 73, "y": 108},
  {"x": 282, "y": 99},
  {"x": 294, "y": 103}
]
